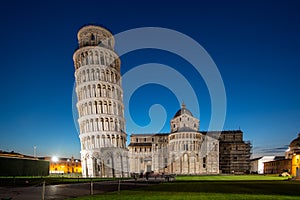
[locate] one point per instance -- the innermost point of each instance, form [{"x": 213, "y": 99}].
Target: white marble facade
[
  {"x": 184, "y": 150},
  {"x": 100, "y": 105}
]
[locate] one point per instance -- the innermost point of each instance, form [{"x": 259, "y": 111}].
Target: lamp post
[{"x": 34, "y": 151}]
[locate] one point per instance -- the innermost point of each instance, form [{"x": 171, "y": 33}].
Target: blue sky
[{"x": 255, "y": 45}]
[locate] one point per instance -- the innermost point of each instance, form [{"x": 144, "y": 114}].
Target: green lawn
[
  {"x": 213, "y": 187},
  {"x": 133, "y": 195},
  {"x": 231, "y": 178}
]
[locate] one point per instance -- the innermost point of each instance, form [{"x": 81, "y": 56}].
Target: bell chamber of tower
[{"x": 100, "y": 104}]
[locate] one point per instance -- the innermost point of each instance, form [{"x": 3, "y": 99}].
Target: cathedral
[{"x": 185, "y": 150}]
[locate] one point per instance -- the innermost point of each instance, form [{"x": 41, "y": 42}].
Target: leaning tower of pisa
[{"x": 100, "y": 104}]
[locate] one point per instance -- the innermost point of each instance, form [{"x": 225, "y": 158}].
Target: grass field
[
  {"x": 232, "y": 178},
  {"x": 213, "y": 187}
]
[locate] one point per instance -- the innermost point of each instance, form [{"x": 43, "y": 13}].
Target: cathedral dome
[
  {"x": 183, "y": 110},
  {"x": 295, "y": 143}
]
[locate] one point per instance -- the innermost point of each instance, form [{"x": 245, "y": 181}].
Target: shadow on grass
[{"x": 289, "y": 188}]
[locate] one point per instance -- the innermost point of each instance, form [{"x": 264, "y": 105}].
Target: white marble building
[
  {"x": 183, "y": 151},
  {"x": 100, "y": 105}
]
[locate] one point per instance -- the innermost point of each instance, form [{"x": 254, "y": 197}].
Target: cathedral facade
[{"x": 184, "y": 150}]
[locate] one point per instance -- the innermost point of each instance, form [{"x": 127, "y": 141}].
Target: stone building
[
  {"x": 100, "y": 104},
  {"x": 235, "y": 153},
  {"x": 293, "y": 153},
  {"x": 257, "y": 164},
  {"x": 277, "y": 166},
  {"x": 184, "y": 150},
  {"x": 290, "y": 163},
  {"x": 69, "y": 166}
]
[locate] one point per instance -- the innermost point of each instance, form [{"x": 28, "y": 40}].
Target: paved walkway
[{"x": 65, "y": 191}]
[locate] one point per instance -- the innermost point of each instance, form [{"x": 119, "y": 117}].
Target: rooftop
[{"x": 183, "y": 110}]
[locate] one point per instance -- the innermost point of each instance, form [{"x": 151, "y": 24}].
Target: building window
[
  {"x": 137, "y": 140},
  {"x": 152, "y": 139},
  {"x": 186, "y": 147},
  {"x": 145, "y": 139},
  {"x": 92, "y": 37},
  {"x": 135, "y": 149},
  {"x": 204, "y": 162}
]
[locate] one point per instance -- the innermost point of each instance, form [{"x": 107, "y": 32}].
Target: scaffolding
[{"x": 234, "y": 157}]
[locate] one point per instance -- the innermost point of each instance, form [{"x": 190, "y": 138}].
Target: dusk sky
[{"x": 254, "y": 44}]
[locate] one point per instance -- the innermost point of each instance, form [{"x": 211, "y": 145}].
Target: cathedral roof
[
  {"x": 185, "y": 129},
  {"x": 183, "y": 110},
  {"x": 295, "y": 142}
]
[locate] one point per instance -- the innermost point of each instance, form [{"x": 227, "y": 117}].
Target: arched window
[
  {"x": 101, "y": 58},
  {"x": 92, "y": 37}
]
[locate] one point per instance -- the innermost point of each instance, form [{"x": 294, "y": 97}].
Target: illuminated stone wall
[
  {"x": 183, "y": 151},
  {"x": 100, "y": 104}
]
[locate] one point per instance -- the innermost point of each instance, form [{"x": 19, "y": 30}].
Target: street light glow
[{"x": 54, "y": 159}]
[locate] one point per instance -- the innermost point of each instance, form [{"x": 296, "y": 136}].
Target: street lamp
[
  {"x": 54, "y": 159},
  {"x": 34, "y": 151}
]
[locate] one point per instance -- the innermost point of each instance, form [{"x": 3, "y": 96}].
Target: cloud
[{"x": 274, "y": 150}]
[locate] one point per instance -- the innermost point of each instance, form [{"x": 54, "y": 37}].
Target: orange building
[
  {"x": 293, "y": 153},
  {"x": 277, "y": 166},
  {"x": 64, "y": 165}
]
